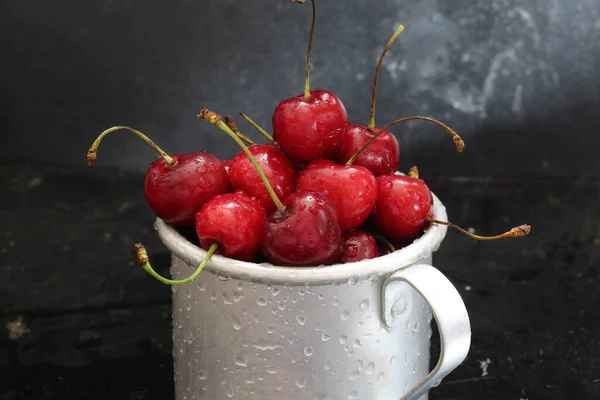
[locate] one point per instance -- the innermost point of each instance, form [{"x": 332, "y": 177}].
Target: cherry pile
[{"x": 322, "y": 191}]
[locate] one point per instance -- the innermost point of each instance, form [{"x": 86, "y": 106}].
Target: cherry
[
  {"x": 381, "y": 157},
  {"x": 353, "y": 188},
  {"x": 277, "y": 168},
  {"x": 383, "y": 154},
  {"x": 234, "y": 221},
  {"x": 403, "y": 204},
  {"x": 304, "y": 232},
  {"x": 359, "y": 245},
  {"x": 177, "y": 186},
  {"x": 309, "y": 126}
]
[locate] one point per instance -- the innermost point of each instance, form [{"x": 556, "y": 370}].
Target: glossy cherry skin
[
  {"x": 352, "y": 188},
  {"x": 278, "y": 169},
  {"x": 234, "y": 220},
  {"x": 226, "y": 164},
  {"x": 380, "y": 157},
  {"x": 177, "y": 192},
  {"x": 305, "y": 232},
  {"x": 306, "y": 130},
  {"x": 403, "y": 204},
  {"x": 359, "y": 245}
]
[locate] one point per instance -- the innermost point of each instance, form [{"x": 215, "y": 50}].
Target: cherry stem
[
  {"x": 91, "y": 154},
  {"x": 215, "y": 119},
  {"x": 142, "y": 258},
  {"x": 232, "y": 125},
  {"x": 391, "y": 41},
  {"x": 518, "y": 231},
  {"x": 384, "y": 241},
  {"x": 458, "y": 142},
  {"x": 258, "y": 128},
  {"x": 413, "y": 172},
  {"x": 307, "y": 96}
]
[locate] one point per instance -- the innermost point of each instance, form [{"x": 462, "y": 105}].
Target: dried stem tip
[
  {"x": 209, "y": 116},
  {"x": 413, "y": 172},
  {"x": 141, "y": 255}
]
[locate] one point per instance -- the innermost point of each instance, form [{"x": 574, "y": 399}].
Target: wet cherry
[
  {"x": 353, "y": 188},
  {"x": 304, "y": 232},
  {"x": 234, "y": 221},
  {"x": 311, "y": 125},
  {"x": 277, "y": 168},
  {"x": 177, "y": 186},
  {"x": 403, "y": 204},
  {"x": 359, "y": 245}
]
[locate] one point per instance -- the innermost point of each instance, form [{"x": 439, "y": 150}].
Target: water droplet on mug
[
  {"x": 325, "y": 337},
  {"x": 272, "y": 370},
  {"x": 370, "y": 368},
  {"x": 353, "y": 280},
  {"x": 406, "y": 358},
  {"x": 229, "y": 392},
  {"x": 281, "y": 306},
  {"x": 241, "y": 361},
  {"x": 202, "y": 375},
  {"x": 261, "y": 301},
  {"x": 393, "y": 360},
  {"x": 237, "y": 323},
  {"x": 301, "y": 320},
  {"x": 327, "y": 366},
  {"x": 308, "y": 351},
  {"x": 364, "y": 305},
  {"x": 399, "y": 307},
  {"x": 416, "y": 326},
  {"x": 188, "y": 307},
  {"x": 344, "y": 316},
  {"x": 343, "y": 339},
  {"x": 301, "y": 382}
]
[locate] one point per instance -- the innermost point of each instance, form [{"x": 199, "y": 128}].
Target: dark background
[{"x": 518, "y": 79}]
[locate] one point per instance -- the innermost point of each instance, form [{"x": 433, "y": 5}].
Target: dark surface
[
  {"x": 516, "y": 75},
  {"x": 99, "y": 327}
]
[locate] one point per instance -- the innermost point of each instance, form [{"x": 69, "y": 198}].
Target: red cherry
[
  {"x": 305, "y": 232},
  {"x": 352, "y": 188},
  {"x": 234, "y": 221},
  {"x": 177, "y": 192},
  {"x": 309, "y": 129},
  {"x": 176, "y": 187},
  {"x": 359, "y": 245},
  {"x": 381, "y": 157},
  {"x": 403, "y": 204},
  {"x": 278, "y": 169}
]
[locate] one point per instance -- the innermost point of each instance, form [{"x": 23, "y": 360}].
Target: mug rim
[{"x": 372, "y": 269}]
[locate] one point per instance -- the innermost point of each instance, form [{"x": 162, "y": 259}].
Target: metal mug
[{"x": 353, "y": 331}]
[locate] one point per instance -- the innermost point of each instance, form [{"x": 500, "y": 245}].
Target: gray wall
[{"x": 519, "y": 79}]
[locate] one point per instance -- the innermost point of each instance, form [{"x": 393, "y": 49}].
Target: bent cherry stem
[
  {"x": 215, "y": 119},
  {"x": 307, "y": 96},
  {"x": 91, "y": 154},
  {"x": 518, "y": 231},
  {"x": 458, "y": 142},
  {"x": 258, "y": 128},
  {"x": 232, "y": 125},
  {"x": 141, "y": 256},
  {"x": 371, "y": 125}
]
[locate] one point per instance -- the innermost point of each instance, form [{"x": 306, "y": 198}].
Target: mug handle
[{"x": 449, "y": 312}]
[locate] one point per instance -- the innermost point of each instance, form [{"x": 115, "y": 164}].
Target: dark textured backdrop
[{"x": 517, "y": 78}]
